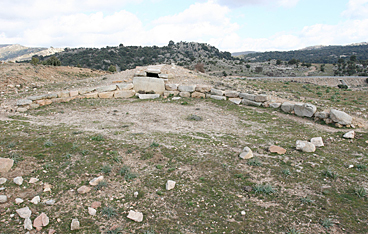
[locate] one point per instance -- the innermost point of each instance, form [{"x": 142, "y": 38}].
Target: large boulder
[
  {"x": 287, "y": 107},
  {"x": 251, "y": 103},
  {"x": 305, "y": 109},
  {"x": 217, "y": 92},
  {"x": 305, "y": 146},
  {"x": 340, "y": 117},
  {"x": 148, "y": 84}
]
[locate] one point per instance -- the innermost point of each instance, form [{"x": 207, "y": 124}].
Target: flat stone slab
[
  {"x": 247, "y": 96},
  {"x": 237, "y": 101},
  {"x": 148, "y": 96},
  {"x": 217, "y": 97},
  {"x": 106, "y": 88},
  {"x": 24, "y": 102},
  {"x": 251, "y": 103},
  {"x": 217, "y": 92},
  {"x": 203, "y": 88},
  {"x": 125, "y": 86},
  {"x": 135, "y": 216},
  {"x": 149, "y": 84},
  {"x": 171, "y": 87},
  {"x": 106, "y": 95},
  {"x": 124, "y": 94},
  {"x": 231, "y": 94},
  {"x": 187, "y": 88}
]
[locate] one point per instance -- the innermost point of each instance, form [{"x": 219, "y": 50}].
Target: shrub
[
  {"x": 98, "y": 137},
  {"x": 326, "y": 223},
  {"x": 106, "y": 169},
  {"x": 254, "y": 162},
  {"x": 360, "y": 191},
  {"x": 112, "y": 68}
]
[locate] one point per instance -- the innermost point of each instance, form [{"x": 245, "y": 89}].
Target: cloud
[
  {"x": 240, "y": 3},
  {"x": 357, "y": 9}
]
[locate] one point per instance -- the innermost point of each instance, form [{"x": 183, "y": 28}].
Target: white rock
[
  {"x": 91, "y": 211},
  {"x": 135, "y": 216},
  {"x": 148, "y": 84},
  {"x": 6, "y": 164},
  {"x": 217, "y": 92},
  {"x": 275, "y": 105},
  {"x": 24, "y": 212},
  {"x": 217, "y": 97},
  {"x": 96, "y": 180},
  {"x": 3, "y": 198},
  {"x": 19, "y": 200},
  {"x": 36, "y": 200},
  {"x": 246, "y": 154},
  {"x": 18, "y": 180},
  {"x": 340, "y": 117},
  {"x": 148, "y": 96},
  {"x": 349, "y": 135},
  {"x": 75, "y": 225},
  {"x": 50, "y": 202},
  {"x": 237, "y": 101},
  {"x": 3, "y": 180},
  {"x": 135, "y": 194},
  {"x": 187, "y": 88},
  {"x": 317, "y": 141},
  {"x": 287, "y": 107},
  {"x": 33, "y": 180},
  {"x": 28, "y": 224},
  {"x": 243, "y": 213},
  {"x": 170, "y": 184},
  {"x": 176, "y": 98},
  {"x": 305, "y": 109},
  {"x": 305, "y": 146}
]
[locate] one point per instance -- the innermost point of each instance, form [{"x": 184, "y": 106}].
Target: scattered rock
[
  {"x": 277, "y": 149},
  {"x": 275, "y": 105},
  {"x": 50, "y": 202},
  {"x": 28, "y": 224},
  {"x": 19, "y": 200},
  {"x": 18, "y": 180},
  {"x": 91, "y": 211},
  {"x": 246, "y": 154},
  {"x": 243, "y": 213},
  {"x": 349, "y": 135},
  {"x": 195, "y": 118},
  {"x": 96, "y": 204},
  {"x": 6, "y": 164},
  {"x": 3, "y": 198},
  {"x": 305, "y": 109},
  {"x": 24, "y": 212},
  {"x": 36, "y": 200},
  {"x": 84, "y": 189},
  {"x": 41, "y": 221},
  {"x": 237, "y": 101},
  {"x": 52, "y": 231},
  {"x": 248, "y": 189},
  {"x": 305, "y": 146},
  {"x": 47, "y": 187},
  {"x": 96, "y": 180},
  {"x": 75, "y": 225},
  {"x": 33, "y": 180},
  {"x": 135, "y": 194},
  {"x": 317, "y": 141},
  {"x": 170, "y": 184},
  {"x": 135, "y": 216},
  {"x": 3, "y": 180},
  {"x": 340, "y": 117}
]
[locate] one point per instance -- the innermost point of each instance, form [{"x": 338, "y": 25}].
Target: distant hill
[
  {"x": 18, "y": 52},
  {"x": 243, "y": 53}
]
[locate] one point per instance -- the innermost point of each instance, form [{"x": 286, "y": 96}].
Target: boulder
[
  {"x": 237, "y": 101},
  {"x": 28, "y": 224},
  {"x": 3, "y": 180},
  {"x": 322, "y": 115},
  {"x": 305, "y": 109},
  {"x": 198, "y": 95},
  {"x": 203, "y": 88},
  {"x": 18, "y": 180},
  {"x": 187, "y": 88},
  {"x": 262, "y": 98},
  {"x": 6, "y": 164},
  {"x": 19, "y": 201},
  {"x": 251, "y": 103},
  {"x": 217, "y": 92},
  {"x": 3, "y": 199},
  {"x": 248, "y": 96},
  {"x": 148, "y": 96},
  {"x": 41, "y": 221},
  {"x": 149, "y": 84},
  {"x": 216, "y": 97},
  {"x": 124, "y": 94},
  {"x": 275, "y": 105},
  {"x": 92, "y": 211},
  {"x": 36, "y": 200},
  {"x": 106, "y": 95},
  {"x": 231, "y": 94},
  {"x": 184, "y": 94},
  {"x": 349, "y": 135},
  {"x": 171, "y": 87},
  {"x": 125, "y": 86},
  {"x": 24, "y": 212},
  {"x": 277, "y": 149},
  {"x": 103, "y": 89},
  {"x": 305, "y": 146},
  {"x": 135, "y": 216},
  {"x": 96, "y": 181},
  {"x": 246, "y": 153},
  {"x": 287, "y": 107},
  {"x": 170, "y": 184},
  {"x": 317, "y": 141},
  {"x": 24, "y": 102},
  {"x": 340, "y": 117}
]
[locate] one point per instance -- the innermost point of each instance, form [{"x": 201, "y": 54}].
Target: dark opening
[{"x": 152, "y": 75}]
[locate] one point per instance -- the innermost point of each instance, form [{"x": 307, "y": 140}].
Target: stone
[
  {"x": 305, "y": 109},
  {"x": 135, "y": 216},
  {"x": 148, "y": 84},
  {"x": 28, "y": 224},
  {"x": 22, "y": 110},
  {"x": 103, "y": 89},
  {"x": 47, "y": 187},
  {"x": 24, "y": 212},
  {"x": 3, "y": 180},
  {"x": 36, "y": 200},
  {"x": 91, "y": 95},
  {"x": 50, "y": 95},
  {"x": 92, "y": 211},
  {"x": 74, "y": 93},
  {"x": 275, "y": 105},
  {"x": 33, "y": 180},
  {"x": 63, "y": 94},
  {"x": 106, "y": 95},
  {"x": 172, "y": 93},
  {"x": 96, "y": 204},
  {"x": 124, "y": 94},
  {"x": 52, "y": 231},
  {"x": 141, "y": 74},
  {"x": 34, "y": 98},
  {"x": 34, "y": 106},
  {"x": 148, "y": 96},
  {"x": 86, "y": 90},
  {"x": 248, "y": 96},
  {"x": 41, "y": 102},
  {"x": 287, "y": 107},
  {"x": 184, "y": 94},
  {"x": 96, "y": 180},
  {"x": 237, "y": 101},
  {"x": 171, "y": 87},
  {"x": 18, "y": 180},
  {"x": 187, "y": 88},
  {"x": 251, "y": 103},
  {"x": 176, "y": 98},
  {"x": 6, "y": 164},
  {"x": 217, "y": 92},
  {"x": 262, "y": 98},
  {"x": 305, "y": 146},
  {"x": 277, "y": 149},
  {"x": 84, "y": 189},
  {"x": 24, "y": 102},
  {"x": 216, "y": 97},
  {"x": 198, "y": 95},
  {"x": 129, "y": 86},
  {"x": 75, "y": 225},
  {"x": 243, "y": 213},
  {"x": 3, "y": 198},
  {"x": 349, "y": 135},
  {"x": 19, "y": 201},
  {"x": 340, "y": 117},
  {"x": 317, "y": 141},
  {"x": 135, "y": 194},
  {"x": 163, "y": 76},
  {"x": 246, "y": 154},
  {"x": 41, "y": 221},
  {"x": 153, "y": 70},
  {"x": 203, "y": 88},
  {"x": 322, "y": 115},
  {"x": 231, "y": 94},
  {"x": 50, "y": 202},
  {"x": 170, "y": 184}
]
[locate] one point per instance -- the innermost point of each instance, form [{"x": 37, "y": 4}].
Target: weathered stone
[
  {"x": 328, "y": 121},
  {"x": 246, "y": 154},
  {"x": 41, "y": 102},
  {"x": 340, "y": 117},
  {"x": 34, "y": 106},
  {"x": 172, "y": 93},
  {"x": 47, "y": 187},
  {"x": 24, "y": 102},
  {"x": 170, "y": 184},
  {"x": 171, "y": 87},
  {"x": 28, "y": 224},
  {"x": 33, "y": 180},
  {"x": 277, "y": 149},
  {"x": 106, "y": 95},
  {"x": 187, "y": 88},
  {"x": 24, "y": 212},
  {"x": 91, "y": 95},
  {"x": 84, "y": 189},
  {"x": 41, "y": 221},
  {"x": 86, "y": 90},
  {"x": 248, "y": 96},
  {"x": 198, "y": 95},
  {"x": 22, "y": 110},
  {"x": 74, "y": 93},
  {"x": 50, "y": 95},
  {"x": 305, "y": 146},
  {"x": 231, "y": 94},
  {"x": 96, "y": 181},
  {"x": 176, "y": 98},
  {"x": 6, "y": 164},
  {"x": 216, "y": 97},
  {"x": 322, "y": 115},
  {"x": 154, "y": 69},
  {"x": 135, "y": 194},
  {"x": 18, "y": 180},
  {"x": 349, "y": 135},
  {"x": 148, "y": 84},
  {"x": 148, "y": 96},
  {"x": 52, "y": 231},
  {"x": 287, "y": 107},
  {"x": 275, "y": 105},
  {"x": 3, "y": 180},
  {"x": 237, "y": 101},
  {"x": 317, "y": 141},
  {"x": 92, "y": 211},
  {"x": 36, "y": 200},
  {"x": 251, "y": 103},
  {"x": 50, "y": 202},
  {"x": 262, "y": 98},
  {"x": 96, "y": 204},
  {"x": 103, "y": 89},
  {"x": 34, "y": 98},
  {"x": 203, "y": 88},
  {"x": 3, "y": 199},
  {"x": 125, "y": 86},
  {"x": 63, "y": 94},
  {"x": 124, "y": 94},
  {"x": 305, "y": 109},
  {"x": 140, "y": 74},
  {"x": 184, "y": 94},
  {"x": 75, "y": 225},
  {"x": 19, "y": 200},
  {"x": 163, "y": 76},
  {"x": 217, "y": 92},
  {"x": 135, "y": 216}
]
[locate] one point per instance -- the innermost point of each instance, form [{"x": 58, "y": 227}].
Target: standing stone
[
  {"x": 28, "y": 224},
  {"x": 277, "y": 149},
  {"x": 170, "y": 184},
  {"x": 349, "y": 135},
  {"x": 305, "y": 146},
  {"x": 96, "y": 181},
  {"x": 187, "y": 88},
  {"x": 3, "y": 198},
  {"x": 340, "y": 117},
  {"x": 18, "y": 180},
  {"x": 135, "y": 216},
  {"x": 148, "y": 84},
  {"x": 305, "y": 109},
  {"x": 317, "y": 141},
  {"x": 203, "y": 88},
  {"x": 24, "y": 212},
  {"x": 6, "y": 164},
  {"x": 75, "y": 225},
  {"x": 246, "y": 154}
]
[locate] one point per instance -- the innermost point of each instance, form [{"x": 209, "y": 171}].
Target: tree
[
  {"x": 53, "y": 61},
  {"x": 34, "y": 61},
  {"x": 353, "y": 58},
  {"x": 112, "y": 68},
  {"x": 171, "y": 43},
  {"x": 293, "y": 62},
  {"x": 278, "y": 62},
  {"x": 199, "y": 67}
]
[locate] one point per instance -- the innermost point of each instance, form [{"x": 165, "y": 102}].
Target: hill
[{"x": 18, "y": 52}]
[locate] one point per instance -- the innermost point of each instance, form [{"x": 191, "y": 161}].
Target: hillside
[{"x": 17, "y": 52}]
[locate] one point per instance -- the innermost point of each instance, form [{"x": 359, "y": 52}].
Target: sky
[{"x": 230, "y": 25}]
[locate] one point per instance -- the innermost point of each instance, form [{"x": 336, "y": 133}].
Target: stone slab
[
  {"x": 148, "y": 84},
  {"x": 124, "y": 94}
]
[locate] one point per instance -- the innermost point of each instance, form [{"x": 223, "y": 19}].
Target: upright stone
[
  {"x": 148, "y": 84},
  {"x": 75, "y": 225}
]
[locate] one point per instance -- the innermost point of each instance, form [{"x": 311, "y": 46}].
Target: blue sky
[{"x": 231, "y": 25}]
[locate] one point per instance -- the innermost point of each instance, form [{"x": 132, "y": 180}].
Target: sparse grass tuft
[
  {"x": 98, "y": 137},
  {"x": 286, "y": 172},
  {"x": 109, "y": 211},
  {"x": 360, "y": 191},
  {"x": 326, "y": 223},
  {"x": 330, "y": 174},
  {"x": 101, "y": 185},
  {"x": 306, "y": 200},
  {"x": 293, "y": 231},
  {"x": 266, "y": 189},
  {"x": 106, "y": 169},
  {"x": 254, "y": 162},
  {"x": 128, "y": 175},
  {"x": 154, "y": 144},
  {"x": 48, "y": 143},
  {"x": 115, "y": 231},
  {"x": 361, "y": 167}
]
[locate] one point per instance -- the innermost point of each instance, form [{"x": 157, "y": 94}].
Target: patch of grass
[
  {"x": 194, "y": 118},
  {"x": 109, "y": 212},
  {"x": 98, "y": 137},
  {"x": 128, "y": 175},
  {"x": 67, "y": 156},
  {"x": 159, "y": 167},
  {"x": 264, "y": 188},
  {"x": 293, "y": 231},
  {"x": 306, "y": 200},
  {"x": 16, "y": 157},
  {"x": 171, "y": 169},
  {"x": 361, "y": 167},
  {"x": 101, "y": 185},
  {"x": 48, "y": 143},
  {"x": 159, "y": 193},
  {"x": 115, "y": 231},
  {"x": 254, "y": 162},
  {"x": 330, "y": 174},
  {"x": 106, "y": 169},
  {"x": 84, "y": 152},
  {"x": 11, "y": 145},
  {"x": 326, "y": 223},
  {"x": 360, "y": 192},
  {"x": 286, "y": 172},
  {"x": 154, "y": 144}
]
